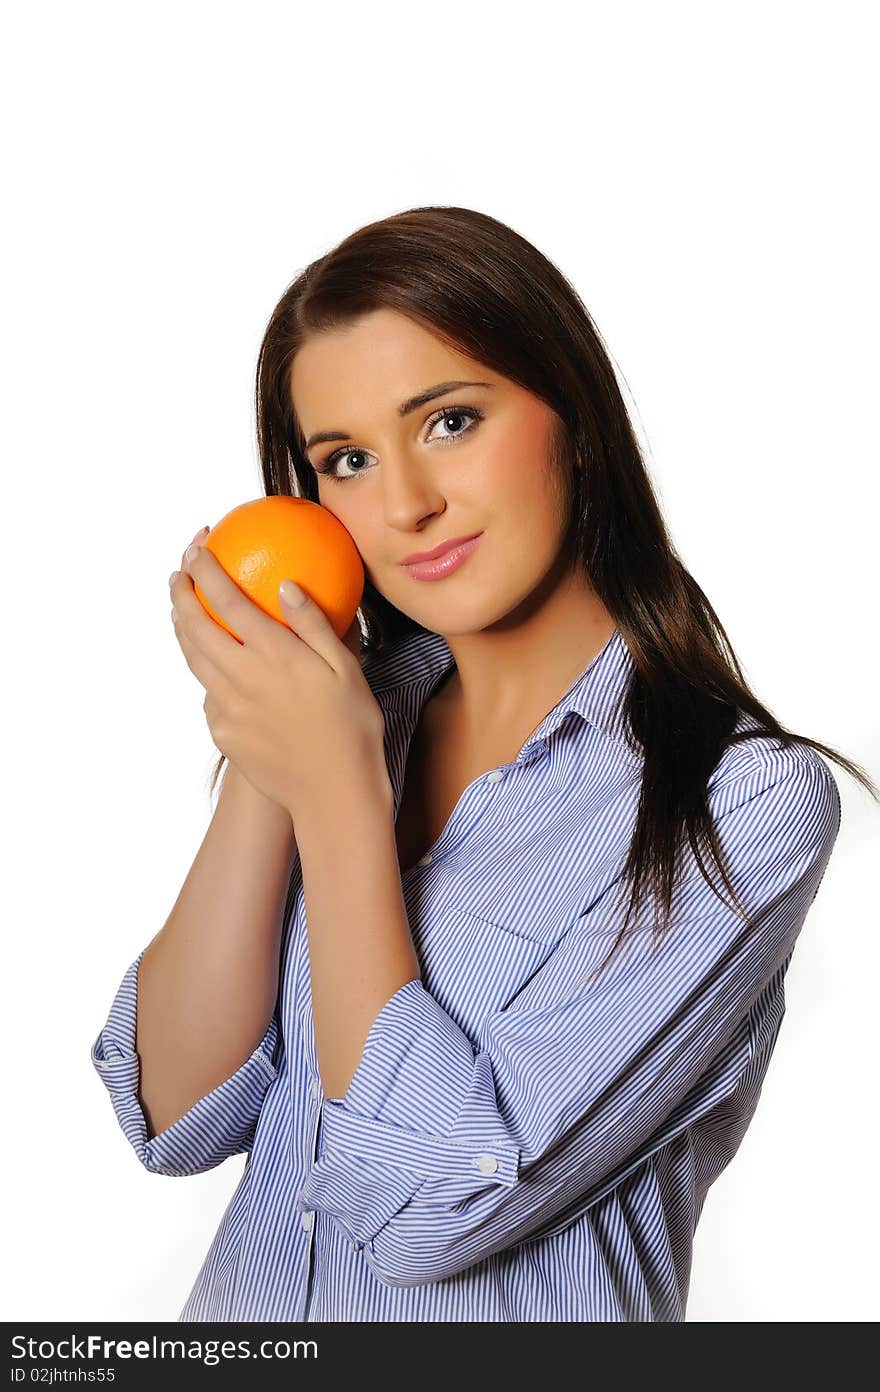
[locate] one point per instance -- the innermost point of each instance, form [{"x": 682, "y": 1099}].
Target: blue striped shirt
[{"x": 521, "y": 1141}]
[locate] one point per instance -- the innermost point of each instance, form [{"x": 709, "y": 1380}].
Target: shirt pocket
[{"x": 474, "y": 966}]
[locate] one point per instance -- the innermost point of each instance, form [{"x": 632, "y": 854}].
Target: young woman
[{"x": 451, "y": 964}]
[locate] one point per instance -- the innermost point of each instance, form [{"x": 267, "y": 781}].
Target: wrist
[
  {"x": 235, "y": 787},
  {"x": 337, "y": 801}
]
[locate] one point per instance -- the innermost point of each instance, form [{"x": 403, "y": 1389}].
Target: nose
[{"x": 410, "y": 492}]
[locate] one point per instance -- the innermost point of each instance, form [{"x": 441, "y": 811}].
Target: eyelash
[{"x": 328, "y": 467}]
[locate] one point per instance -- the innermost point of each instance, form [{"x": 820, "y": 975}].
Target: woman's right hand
[
  {"x": 352, "y": 638},
  {"x": 352, "y": 641}
]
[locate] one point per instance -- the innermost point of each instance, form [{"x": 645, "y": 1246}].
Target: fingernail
[
  {"x": 204, "y": 532},
  {"x": 191, "y": 552},
  {"x": 292, "y": 593}
]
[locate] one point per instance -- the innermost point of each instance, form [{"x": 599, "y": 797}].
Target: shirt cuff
[
  {"x": 404, "y": 1121},
  {"x": 220, "y": 1124}
]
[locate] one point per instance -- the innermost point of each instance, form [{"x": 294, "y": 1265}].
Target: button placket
[{"x": 493, "y": 776}]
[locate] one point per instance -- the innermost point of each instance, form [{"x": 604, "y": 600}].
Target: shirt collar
[{"x": 421, "y": 659}]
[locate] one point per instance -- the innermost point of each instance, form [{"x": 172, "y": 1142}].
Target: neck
[{"x": 511, "y": 674}]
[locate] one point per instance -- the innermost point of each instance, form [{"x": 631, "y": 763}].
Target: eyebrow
[{"x": 411, "y": 404}]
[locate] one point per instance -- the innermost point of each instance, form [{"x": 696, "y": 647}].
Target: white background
[{"x": 702, "y": 174}]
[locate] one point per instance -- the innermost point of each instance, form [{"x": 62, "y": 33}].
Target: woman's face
[{"x": 408, "y": 482}]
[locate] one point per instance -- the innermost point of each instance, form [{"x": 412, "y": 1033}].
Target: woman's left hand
[{"x": 289, "y": 706}]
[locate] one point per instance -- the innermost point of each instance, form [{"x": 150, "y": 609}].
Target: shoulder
[
  {"x": 784, "y": 790},
  {"x": 408, "y": 659}
]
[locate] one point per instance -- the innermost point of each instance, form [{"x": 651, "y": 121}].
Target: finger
[
  {"x": 222, "y": 650},
  {"x": 197, "y": 541},
  {"x": 227, "y": 600},
  {"x": 309, "y": 622},
  {"x": 352, "y": 639},
  {"x": 201, "y": 666},
  {"x": 184, "y": 564}
]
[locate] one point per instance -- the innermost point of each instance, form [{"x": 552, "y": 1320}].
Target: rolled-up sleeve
[
  {"x": 220, "y": 1124},
  {"x": 444, "y": 1151}
]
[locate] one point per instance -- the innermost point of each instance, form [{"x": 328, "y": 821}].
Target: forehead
[{"x": 382, "y": 358}]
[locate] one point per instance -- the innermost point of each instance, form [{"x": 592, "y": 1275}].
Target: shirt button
[
  {"x": 495, "y": 776},
  {"x": 308, "y": 1220},
  {"x": 486, "y": 1164},
  {"x": 316, "y": 1090},
  {"x": 426, "y": 859}
]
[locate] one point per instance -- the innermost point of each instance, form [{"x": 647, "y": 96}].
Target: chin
[{"x": 458, "y": 617}]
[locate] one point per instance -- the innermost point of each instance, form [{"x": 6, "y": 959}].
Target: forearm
[
  {"x": 208, "y": 982},
  {"x": 360, "y": 946}
]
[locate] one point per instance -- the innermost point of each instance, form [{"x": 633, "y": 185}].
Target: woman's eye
[
  {"x": 451, "y": 413},
  {"x": 456, "y": 413}
]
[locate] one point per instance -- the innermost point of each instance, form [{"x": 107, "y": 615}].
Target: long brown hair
[{"x": 487, "y": 291}]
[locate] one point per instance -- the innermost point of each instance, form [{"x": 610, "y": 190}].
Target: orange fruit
[{"x": 262, "y": 542}]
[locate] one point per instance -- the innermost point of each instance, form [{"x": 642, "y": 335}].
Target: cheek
[
  {"x": 518, "y": 484},
  {"x": 514, "y": 463},
  {"x": 334, "y": 501},
  {"x": 506, "y": 470},
  {"x": 356, "y": 520}
]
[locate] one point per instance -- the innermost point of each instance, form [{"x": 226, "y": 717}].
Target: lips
[
  {"x": 441, "y": 550},
  {"x": 447, "y": 564}
]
